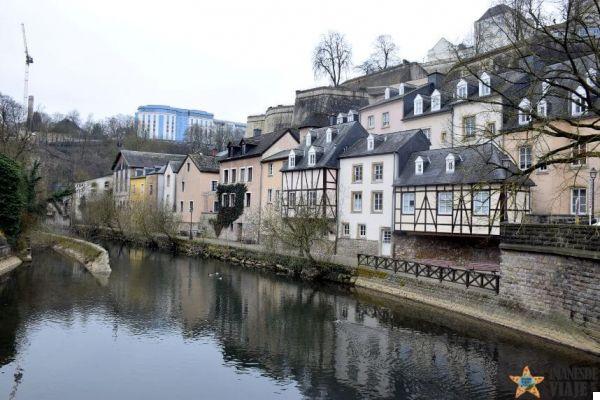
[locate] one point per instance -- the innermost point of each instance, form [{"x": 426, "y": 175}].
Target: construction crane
[{"x": 28, "y": 60}]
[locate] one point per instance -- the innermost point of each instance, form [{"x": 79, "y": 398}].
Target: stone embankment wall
[
  {"x": 92, "y": 256},
  {"x": 553, "y": 270}
]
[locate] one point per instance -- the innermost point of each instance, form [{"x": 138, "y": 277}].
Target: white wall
[{"x": 374, "y": 221}]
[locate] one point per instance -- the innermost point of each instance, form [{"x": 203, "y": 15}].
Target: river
[{"x": 169, "y": 327}]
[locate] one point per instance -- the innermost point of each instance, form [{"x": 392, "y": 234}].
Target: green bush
[{"x": 12, "y": 199}]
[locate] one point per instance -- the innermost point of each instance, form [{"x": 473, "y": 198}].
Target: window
[
  {"x": 524, "y": 157},
  {"x": 385, "y": 119},
  {"x": 270, "y": 195},
  {"x": 444, "y": 203},
  {"x": 292, "y": 159},
  {"x": 188, "y": 167},
  {"x": 248, "y": 199},
  {"x": 419, "y": 166},
  {"x": 377, "y": 202},
  {"x": 542, "y": 108},
  {"x": 545, "y": 88},
  {"x": 481, "y": 203},
  {"x": 181, "y": 206},
  {"x": 491, "y": 129},
  {"x": 233, "y": 175},
  {"x": 224, "y": 200},
  {"x": 377, "y": 172},
  {"x": 408, "y": 203},
  {"x": 312, "y": 157},
  {"x": 357, "y": 173},
  {"x": 356, "y": 201},
  {"x": 450, "y": 163},
  {"x": 418, "y": 105},
  {"x": 243, "y": 148},
  {"x": 213, "y": 186},
  {"x": 328, "y": 135},
  {"x": 578, "y": 201},
  {"x": 578, "y": 101},
  {"x": 151, "y": 188},
  {"x": 231, "y": 199},
  {"x": 436, "y": 100},
  {"x": 345, "y": 229},
  {"x": 484, "y": 85},
  {"x": 524, "y": 112},
  {"x": 370, "y": 142},
  {"x": 270, "y": 169},
  {"x": 249, "y": 177},
  {"x": 292, "y": 199},
  {"x": 191, "y": 206},
  {"x": 242, "y": 174},
  {"x": 312, "y": 198},
  {"x": 462, "y": 89},
  {"x": 183, "y": 186},
  {"x": 469, "y": 126},
  {"x": 168, "y": 180},
  {"x": 362, "y": 231},
  {"x": 370, "y": 121},
  {"x": 543, "y": 168},
  {"x": 106, "y": 185},
  {"x": 427, "y": 132},
  {"x": 226, "y": 176},
  {"x": 444, "y": 136},
  {"x": 215, "y": 206},
  {"x": 579, "y": 154},
  {"x": 308, "y": 139}
]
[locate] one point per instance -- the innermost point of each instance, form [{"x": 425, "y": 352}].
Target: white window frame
[
  {"x": 419, "y": 166},
  {"x": 376, "y": 207},
  {"x": 328, "y": 135},
  {"x": 312, "y": 198},
  {"x": 418, "y": 105},
  {"x": 370, "y": 143},
  {"x": 450, "y": 163},
  {"x": 542, "y": 108},
  {"x": 357, "y": 200},
  {"x": 242, "y": 174},
  {"x": 579, "y": 207},
  {"x": 270, "y": 169},
  {"x": 360, "y": 229},
  {"x": 312, "y": 157},
  {"x": 385, "y": 119},
  {"x": 371, "y": 121},
  {"x": 462, "y": 90},
  {"x": 357, "y": 173},
  {"x": 445, "y": 202},
  {"x": 525, "y": 157},
  {"x": 345, "y": 229},
  {"x": 249, "y": 174},
  {"x": 213, "y": 185},
  {"x": 377, "y": 177},
  {"x": 481, "y": 203},
  {"x": 407, "y": 198},
  {"x": 578, "y": 105},
  {"x": 485, "y": 85},
  {"x": 292, "y": 159},
  {"x": 524, "y": 112},
  {"x": 436, "y": 100}
]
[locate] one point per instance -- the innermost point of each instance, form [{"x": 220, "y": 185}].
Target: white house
[
  {"x": 89, "y": 189},
  {"x": 366, "y": 177}
]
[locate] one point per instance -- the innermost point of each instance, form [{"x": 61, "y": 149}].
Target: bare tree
[
  {"x": 15, "y": 140},
  {"x": 332, "y": 57},
  {"x": 385, "y": 54},
  {"x": 118, "y": 127}
]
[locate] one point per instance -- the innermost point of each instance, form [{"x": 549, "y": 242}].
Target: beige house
[
  {"x": 195, "y": 193},
  {"x": 242, "y": 164}
]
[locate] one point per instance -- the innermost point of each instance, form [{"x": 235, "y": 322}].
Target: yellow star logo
[{"x": 526, "y": 383}]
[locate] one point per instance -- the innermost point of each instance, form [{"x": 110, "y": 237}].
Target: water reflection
[{"x": 169, "y": 327}]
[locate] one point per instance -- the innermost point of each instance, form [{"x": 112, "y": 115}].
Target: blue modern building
[{"x": 169, "y": 123}]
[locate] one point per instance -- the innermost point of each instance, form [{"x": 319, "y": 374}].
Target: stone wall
[
  {"x": 562, "y": 236},
  {"x": 457, "y": 250},
  {"x": 352, "y": 247}
]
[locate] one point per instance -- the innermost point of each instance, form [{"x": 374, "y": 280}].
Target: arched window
[
  {"x": 419, "y": 166},
  {"x": 340, "y": 118},
  {"x": 524, "y": 112},
  {"x": 450, "y": 163},
  {"x": 436, "y": 100},
  {"x": 328, "y": 135},
  {"x": 542, "y": 108},
  {"x": 387, "y": 93},
  {"x": 401, "y": 89},
  {"x": 292, "y": 159},
  {"x": 462, "y": 89},
  {"x": 418, "y": 105},
  {"x": 578, "y": 101},
  {"x": 312, "y": 157},
  {"x": 370, "y": 142},
  {"x": 484, "y": 85}
]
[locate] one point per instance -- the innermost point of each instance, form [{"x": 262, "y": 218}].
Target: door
[{"x": 386, "y": 242}]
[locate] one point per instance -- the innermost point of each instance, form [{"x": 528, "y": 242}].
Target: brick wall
[{"x": 563, "y": 236}]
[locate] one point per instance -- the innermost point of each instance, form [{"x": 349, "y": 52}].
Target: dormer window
[
  {"x": 484, "y": 85},
  {"x": 370, "y": 142},
  {"x": 308, "y": 139},
  {"x": 340, "y": 118},
  {"x": 352, "y": 116},
  {"x": 292, "y": 159},
  {"x": 419, "y": 166},
  {"x": 401, "y": 89},
  {"x": 231, "y": 151},
  {"x": 312, "y": 157},
  {"x": 328, "y": 135},
  {"x": 462, "y": 89},
  {"x": 545, "y": 88},
  {"x": 524, "y": 112},
  {"x": 578, "y": 102},
  {"x": 450, "y": 163},
  {"x": 387, "y": 93},
  {"x": 542, "y": 108},
  {"x": 243, "y": 148},
  {"x": 592, "y": 77},
  {"x": 436, "y": 100},
  {"x": 418, "y": 105}
]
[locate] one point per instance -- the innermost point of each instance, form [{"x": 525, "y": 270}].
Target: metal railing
[{"x": 482, "y": 280}]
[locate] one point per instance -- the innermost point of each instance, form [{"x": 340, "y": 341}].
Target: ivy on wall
[{"x": 230, "y": 212}]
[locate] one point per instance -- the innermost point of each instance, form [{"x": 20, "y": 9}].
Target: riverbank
[
  {"x": 8, "y": 264},
  {"x": 472, "y": 303}
]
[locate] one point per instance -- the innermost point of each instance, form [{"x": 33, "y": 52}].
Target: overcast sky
[{"x": 231, "y": 58}]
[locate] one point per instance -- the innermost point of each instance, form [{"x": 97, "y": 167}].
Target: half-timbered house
[
  {"x": 460, "y": 191},
  {"x": 310, "y": 176}
]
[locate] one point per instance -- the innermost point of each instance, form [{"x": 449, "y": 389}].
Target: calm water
[{"x": 162, "y": 328}]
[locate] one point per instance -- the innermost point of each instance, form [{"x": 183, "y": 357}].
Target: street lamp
[
  {"x": 593, "y": 174},
  {"x": 191, "y": 211}
]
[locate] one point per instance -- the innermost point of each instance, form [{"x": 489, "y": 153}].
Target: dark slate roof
[
  {"x": 143, "y": 159},
  {"x": 483, "y": 163},
  {"x": 500, "y": 9},
  {"x": 203, "y": 163},
  {"x": 280, "y": 155},
  {"x": 257, "y": 145},
  {"x": 383, "y": 144},
  {"x": 344, "y": 135}
]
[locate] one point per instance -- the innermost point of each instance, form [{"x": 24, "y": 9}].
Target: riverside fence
[{"x": 469, "y": 278}]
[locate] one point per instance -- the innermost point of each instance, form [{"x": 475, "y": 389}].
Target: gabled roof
[
  {"x": 203, "y": 163},
  {"x": 500, "y": 9},
  {"x": 483, "y": 163},
  {"x": 257, "y": 145},
  {"x": 344, "y": 135},
  {"x": 382, "y": 144},
  {"x": 143, "y": 159}
]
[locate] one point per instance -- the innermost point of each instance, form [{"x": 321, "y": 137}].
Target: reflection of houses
[
  {"x": 366, "y": 176},
  {"x": 461, "y": 190},
  {"x": 310, "y": 177}
]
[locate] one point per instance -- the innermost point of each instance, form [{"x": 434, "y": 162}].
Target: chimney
[
  {"x": 436, "y": 79},
  {"x": 257, "y": 132}
]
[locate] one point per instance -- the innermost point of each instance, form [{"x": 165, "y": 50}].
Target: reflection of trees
[{"x": 9, "y": 321}]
